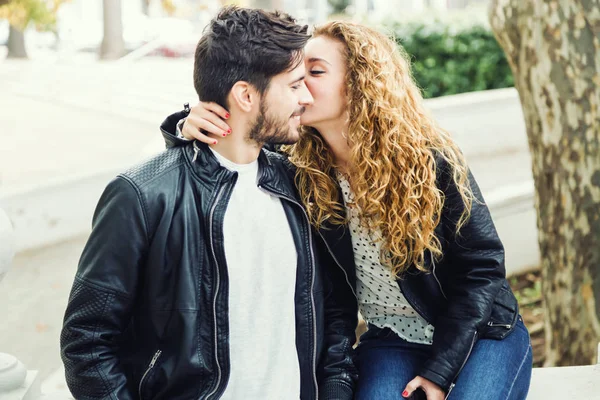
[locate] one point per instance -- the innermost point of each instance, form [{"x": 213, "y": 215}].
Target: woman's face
[{"x": 326, "y": 80}]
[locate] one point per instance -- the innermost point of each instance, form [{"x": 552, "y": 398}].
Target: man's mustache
[{"x": 299, "y": 112}]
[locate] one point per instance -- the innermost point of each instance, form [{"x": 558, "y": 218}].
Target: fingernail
[
  {"x": 405, "y": 394},
  {"x": 226, "y": 115},
  {"x": 224, "y": 134},
  {"x": 228, "y": 130},
  {"x": 215, "y": 142}
]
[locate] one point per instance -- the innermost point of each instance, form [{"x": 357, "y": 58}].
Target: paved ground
[
  {"x": 33, "y": 296},
  {"x": 64, "y": 119}
]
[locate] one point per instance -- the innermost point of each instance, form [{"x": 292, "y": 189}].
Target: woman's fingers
[
  {"x": 433, "y": 391},
  {"x": 204, "y": 121},
  {"x": 215, "y": 108},
  {"x": 190, "y": 132},
  {"x": 211, "y": 112},
  {"x": 207, "y": 125}
]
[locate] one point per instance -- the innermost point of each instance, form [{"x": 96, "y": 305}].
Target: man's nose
[{"x": 306, "y": 98}]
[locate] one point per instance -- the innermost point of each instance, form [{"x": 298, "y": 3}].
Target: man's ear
[{"x": 244, "y": 95}]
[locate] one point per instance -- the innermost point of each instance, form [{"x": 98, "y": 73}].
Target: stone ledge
[{"x": 581, "y": 382}]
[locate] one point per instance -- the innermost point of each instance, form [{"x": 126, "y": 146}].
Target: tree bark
[
  {"x": 113, "y": 45},
  {"x": 553, "y": 47},
  {"x": 16, "y": 43}
]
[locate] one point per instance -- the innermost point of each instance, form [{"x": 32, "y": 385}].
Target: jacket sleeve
[
  {"x": 103, "y": 294},
  {"x": 337, "y": 372},
  {"x": 168, "y": 129},
  {"x": 475, "y": 262}
]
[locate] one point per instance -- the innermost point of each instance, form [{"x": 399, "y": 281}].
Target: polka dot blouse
[{"x": 380, "y": 299}]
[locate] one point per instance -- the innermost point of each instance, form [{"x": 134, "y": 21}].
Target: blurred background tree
[
  {"x": 339, "y": 6},
  {"x": 554, "y": 51},
  {"x": 113, "y": 44},
  {"x": 20, "y": 14}
]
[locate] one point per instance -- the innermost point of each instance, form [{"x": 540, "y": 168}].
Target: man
[{"x": 201, "y": 278}]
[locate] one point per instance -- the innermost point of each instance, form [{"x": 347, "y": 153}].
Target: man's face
[{"x": 281, "y": 106}]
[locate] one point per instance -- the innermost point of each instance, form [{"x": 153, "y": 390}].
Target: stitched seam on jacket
[
  {"x": 142, "y": 204},
  {"x": 101, "y": 288},
  {"x": 92, "y": 354},
  {"x": 163, "y": 172}
]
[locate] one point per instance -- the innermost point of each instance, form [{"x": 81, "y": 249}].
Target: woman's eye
[{"x": 317, "y": 72}]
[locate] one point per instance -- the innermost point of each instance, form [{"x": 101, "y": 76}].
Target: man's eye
[{"x": 296, "y": 87}]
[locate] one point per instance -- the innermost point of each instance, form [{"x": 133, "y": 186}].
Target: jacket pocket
[
  {"x": 148, "y": 373},
  {"x": 505, "y": 312}
]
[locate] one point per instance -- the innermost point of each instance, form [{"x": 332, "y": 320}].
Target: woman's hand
[
  {"x": 433, "y": 391},
  {"x": 206, "y": 117}
]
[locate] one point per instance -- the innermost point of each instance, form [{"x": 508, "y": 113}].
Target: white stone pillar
[
  {"x": 7, "y": 243},
  {"x": 16, "y": 383},
  {"x": 12, "y": 374}
]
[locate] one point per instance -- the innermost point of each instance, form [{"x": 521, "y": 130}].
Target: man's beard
[{"x": 269, "y": 129}]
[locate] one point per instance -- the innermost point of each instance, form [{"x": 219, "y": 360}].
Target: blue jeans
[{"x": 495, "y": 370}]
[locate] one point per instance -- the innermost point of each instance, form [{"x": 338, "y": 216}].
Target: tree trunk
[
  {"x": 146, "y": 7},
  {"x": 553, "y": 48},
  {"x": 16, "y": 43},
  {"x": 113, "y": 45}
]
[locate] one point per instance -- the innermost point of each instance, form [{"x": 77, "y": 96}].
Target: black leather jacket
[
  {"x": 148, "y": 313},
  {"x": 465, "y": 296}
]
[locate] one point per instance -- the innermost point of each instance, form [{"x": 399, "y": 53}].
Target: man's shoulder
[
  {"x": 280, "y": 159},
  {"x": 159, "y": 166}
]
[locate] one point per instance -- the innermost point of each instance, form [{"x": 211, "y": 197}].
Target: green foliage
[
  {"x": 447, "y": 59},
  {"x": 20, "y": 13},
  {"x": 338, "y": 6}
]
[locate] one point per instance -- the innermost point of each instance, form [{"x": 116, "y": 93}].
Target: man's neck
[{"x": 236, "y": 147}]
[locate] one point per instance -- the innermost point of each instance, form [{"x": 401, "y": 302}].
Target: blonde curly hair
[{"x": 393, "y": 142}]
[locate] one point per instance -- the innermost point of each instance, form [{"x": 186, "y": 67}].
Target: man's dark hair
[{"x": 242, "y": 44}]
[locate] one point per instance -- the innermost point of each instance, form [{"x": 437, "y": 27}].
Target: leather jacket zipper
[
  {"x": 492, "y": 324},
  {"x": 210, "y": 230},
  {"x": 150, "y": 366},
  {"x": 312, "y": 297},
  {"x": 462, "y": 366}
]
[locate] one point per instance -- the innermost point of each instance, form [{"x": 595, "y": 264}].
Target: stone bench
[{"x": 581, "y": 382}]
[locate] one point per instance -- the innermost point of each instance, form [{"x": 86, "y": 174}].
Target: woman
[{"x": 392, "y": 196}]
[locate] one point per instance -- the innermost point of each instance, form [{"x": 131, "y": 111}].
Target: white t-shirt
[
  {"x": 380, "y": 299},
  {"x": 261, "y": 265}
]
